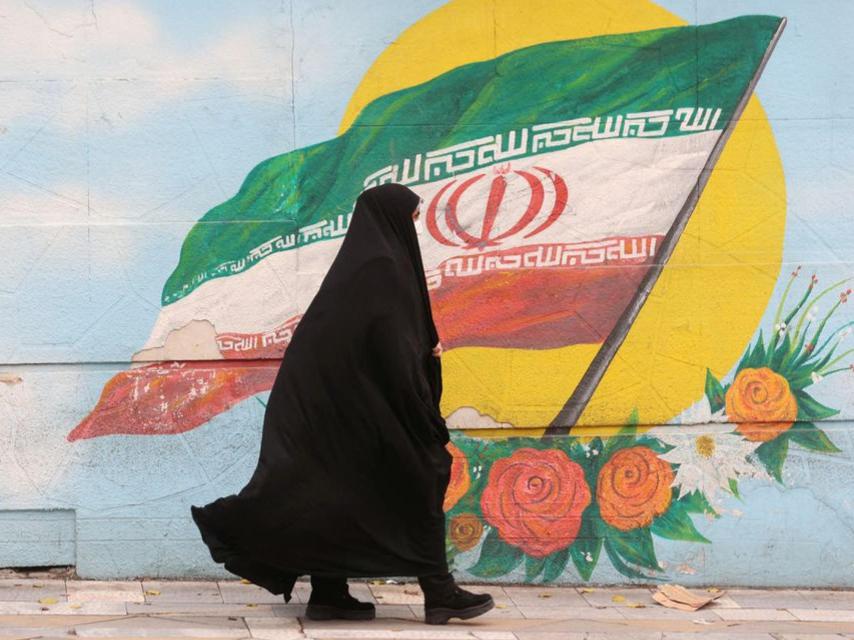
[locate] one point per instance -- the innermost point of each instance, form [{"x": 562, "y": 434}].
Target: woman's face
[{"x": 416, "y": 215}]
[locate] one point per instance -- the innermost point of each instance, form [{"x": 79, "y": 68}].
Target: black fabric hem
[{"x": 277, "y": 580}]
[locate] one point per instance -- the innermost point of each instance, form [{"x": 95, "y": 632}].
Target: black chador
[{"x": 353, "y": 468}]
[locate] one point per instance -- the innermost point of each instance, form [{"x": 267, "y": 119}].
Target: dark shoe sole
[
  {"x": 330, "y": 612},
  {"x": 441, "y": 615}
]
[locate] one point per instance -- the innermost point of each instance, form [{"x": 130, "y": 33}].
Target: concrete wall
[{"x": 715, "y": 449}]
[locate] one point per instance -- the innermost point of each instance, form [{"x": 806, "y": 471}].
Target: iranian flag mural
[{"x": 555, "y": 180}]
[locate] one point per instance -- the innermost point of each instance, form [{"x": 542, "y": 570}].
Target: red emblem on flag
[{"x": 448, "y": 200}]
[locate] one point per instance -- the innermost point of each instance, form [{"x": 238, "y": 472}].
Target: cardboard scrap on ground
[{"x": 675, "y": 596}]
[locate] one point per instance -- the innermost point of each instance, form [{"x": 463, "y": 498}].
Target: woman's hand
[{"x": 437, "y": 350}]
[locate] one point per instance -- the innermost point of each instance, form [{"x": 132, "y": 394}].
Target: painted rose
[
  {"x": 633, "y": 487},
  {"x": 761, "y": 404},
  {"x": 465, "y": 531},
  {"x": 535, "y": 500},
  {"x": 460, "y": 480}
]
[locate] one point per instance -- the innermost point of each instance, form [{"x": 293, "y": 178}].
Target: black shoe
[
  {"x": 444, "y": 600},
  {"x": 331, "y": 600}
]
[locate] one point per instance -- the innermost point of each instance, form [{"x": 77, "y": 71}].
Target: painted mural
[
  {"x": 545, "y": 503},
  {"x": 644, "y": 364}
]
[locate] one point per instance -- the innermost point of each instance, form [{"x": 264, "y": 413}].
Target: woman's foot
[
  {"x": 330, "y": 599},
  {"x": 444, "y": 600}
]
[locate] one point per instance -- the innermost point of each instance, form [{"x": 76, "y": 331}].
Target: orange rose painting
[
  {"x": 633, "y": 488},
  {"x": 761, "y": 404},
  {"x": 460, "y": 480},
  {"x": 465, "y": 531},
  {"x": 535, "y": 499}
]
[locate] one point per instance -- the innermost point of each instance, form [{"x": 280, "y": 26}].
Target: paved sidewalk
[{"x": 50, "y": 606}]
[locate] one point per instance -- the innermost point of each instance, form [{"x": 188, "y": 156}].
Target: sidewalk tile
[
  {"x": 181, "y": 591},
  {"x": 734, "y": 615},
  {"x": 550, "y": 635},
  {"x": 827, "y": 599},
  {"x": 570, "y": 613},
  {"x": 772, "y": 599},
  {"x": 397, "y": 593},
  {"x": 301, "y": 592},
  {"x": 64, "y": 608},
  {"x": 544, "y": 596},
  {"x": 808, "y": 636},
  {"x": 498, "y": 593},
  {"x": 431, "y": 633},
  {"x": 203, "y": 608},
  {"x": 31, "y": 589},
  {"x": 724, "y": 602},
  {"x": 57, "y": 620},
  {"x": 25, "y": 633},
  {"x": 390, "y": 634},
  {"x": 274, "y": 628},
  {"x": 728, "y": 635},
  {"x": 617, "y": 597},
  {"x": 147, "y": 626},
  {"x": 104, "y": 590},
  {"x": 402, "y": 611},
  {"x": 361, "y": 591},
  {"x": 623, "y": 635},
  {"x": 499, "y": 612},
  {"x": 290, "y": 610},
  {"x": 823, "y": 615},
  {"x": 236, "y": 592},
  {"x": 659, "y": 612}
]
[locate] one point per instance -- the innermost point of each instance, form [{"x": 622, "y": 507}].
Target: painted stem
[{"x": 835, "y": 360}]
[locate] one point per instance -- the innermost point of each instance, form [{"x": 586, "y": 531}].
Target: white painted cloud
[
  {"x": 471, "y": 418},
  {"x": 81, "y": 43},
  {"x": 98, "y": 115}
]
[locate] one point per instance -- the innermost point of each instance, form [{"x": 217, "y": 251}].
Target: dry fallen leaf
[
  {"x": 618, "y": 598},
  {"x": 412, "y": 592},
  {"x": 544, "y": 595},
  {"x": 637, "y": 605},
  {"x": 251, "y": 604},
  {"x": 586, "y": 590},
  {"x": 75, "y": 606},
  {"x": 152, "y": 592},
  {"x": 501, "y": 606},
  {"x": 48, "y": 600},
  {"x": 245, "y": 581}
]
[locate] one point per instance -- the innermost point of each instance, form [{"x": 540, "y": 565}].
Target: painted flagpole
[{"x": 568, "y": 416}]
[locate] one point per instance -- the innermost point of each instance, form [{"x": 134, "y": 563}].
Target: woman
[{"x": 353, "y": 467}]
